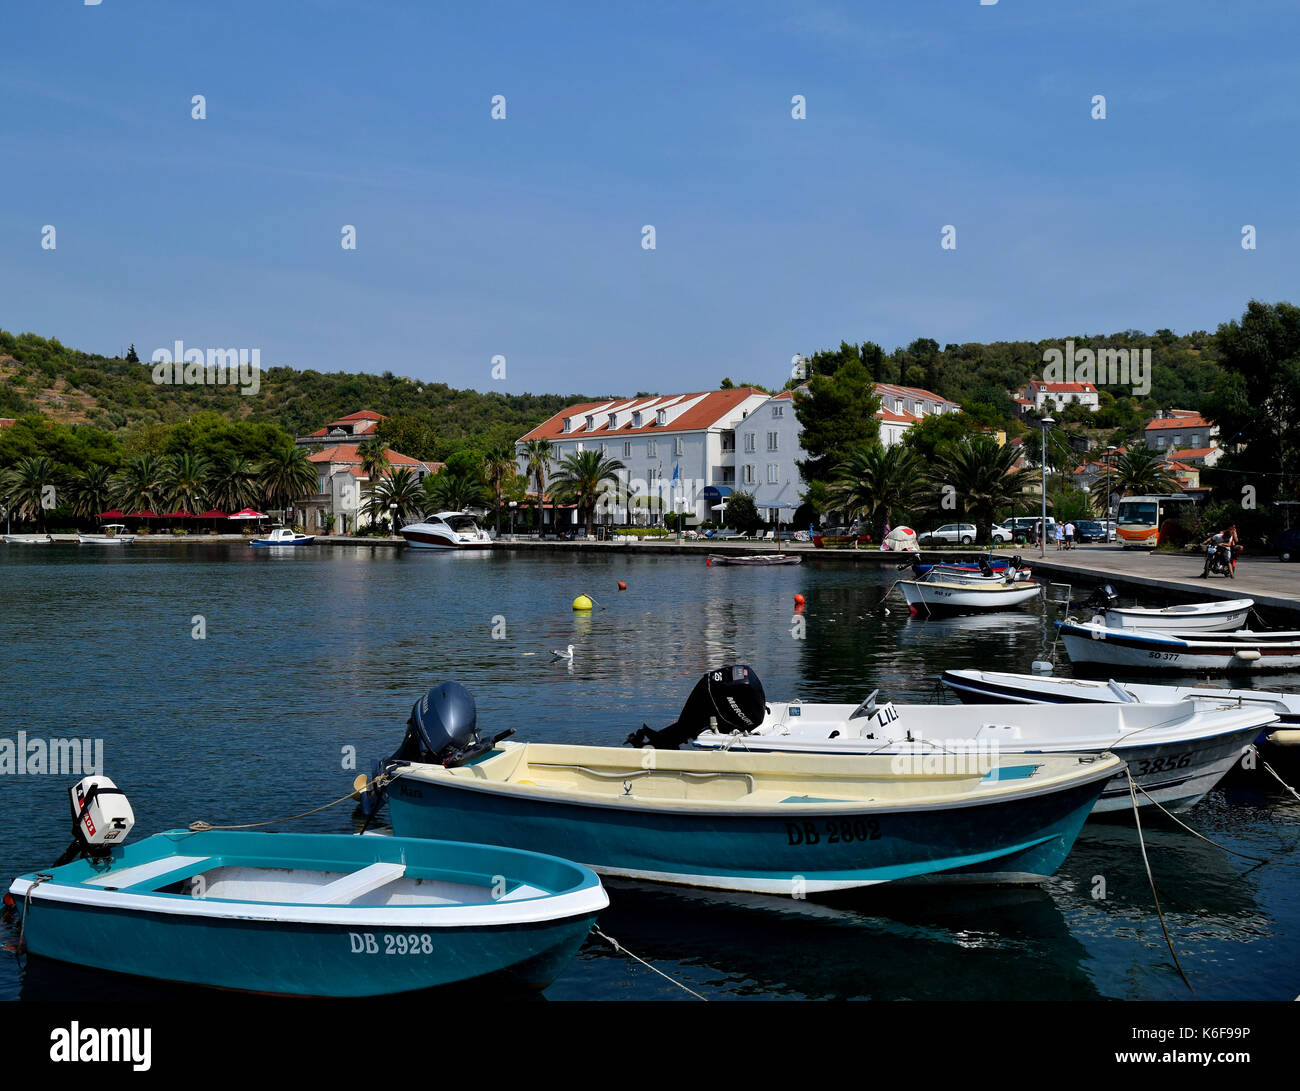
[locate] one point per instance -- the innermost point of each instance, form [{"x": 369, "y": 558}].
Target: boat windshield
[
  {"x": 1143, "y": 515},
  {"x": 462, "y": 524}
]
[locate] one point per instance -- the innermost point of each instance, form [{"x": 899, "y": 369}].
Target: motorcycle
[{"x": 1219, "y": 561}]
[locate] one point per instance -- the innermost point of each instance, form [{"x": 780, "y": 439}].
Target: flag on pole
[{"x": 676, "y": 471}]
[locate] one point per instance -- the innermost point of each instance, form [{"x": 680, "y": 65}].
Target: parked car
[
  {"x": 1288, "y": 544},
  {"x": 1089, "y": 530},
  {"x": 960, "y": 534},
  {"x": 1020, "y": 528}
]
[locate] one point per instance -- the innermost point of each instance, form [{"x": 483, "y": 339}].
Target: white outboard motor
[{"x": 101, "y": 818}]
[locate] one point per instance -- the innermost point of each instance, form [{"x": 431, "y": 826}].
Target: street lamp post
[
  {"x": 1110, "y": 456},
  {"x": 392, "y": 518},
  {"x": 513, "y": 504},
  {"x": 1046, "y": 423}
]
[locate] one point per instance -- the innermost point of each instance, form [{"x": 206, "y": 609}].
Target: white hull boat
[
  {"x": 1190, "y": 617},
  {"x": 446, "y": 530},
  {"x": 1141, "y": 649},
  {"x": 1176, "y": 753},
  {"x": 27, "y": 539},
  {"x": 112, "y": 534},
  {"x": 995, "y": 687},
  {"x": 934, "y": 597},
  {"x": 283, "y": 536}
]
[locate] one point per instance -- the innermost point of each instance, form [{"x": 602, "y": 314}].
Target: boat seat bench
[
  {"x": 341, "y": 891},
  {"x": 160, "y": 870}
]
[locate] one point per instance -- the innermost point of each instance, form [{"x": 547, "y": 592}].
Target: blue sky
[{"x": 522, "y": 237}]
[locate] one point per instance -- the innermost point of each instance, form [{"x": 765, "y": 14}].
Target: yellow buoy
[{"x": 582, "y": 602}]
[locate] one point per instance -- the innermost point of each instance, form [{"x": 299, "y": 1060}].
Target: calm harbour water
[{"x": 312, "y": 653}]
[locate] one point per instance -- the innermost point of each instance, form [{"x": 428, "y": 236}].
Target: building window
[
  {"x": 749, "y": 473},
  {"x": 590, "y": 421},
  {"x": 778, "y": 410},
  {"x": 613, "y": 417},
  {"x": 627, "y": 450},
  {"x": 577, "y": 449},
  {"x": 1160, "y": 440},
  {"x": 679, "y": 446},
  {"x": 568, "y": 423},
  {"x": 772, "y": 474},
  {"x": 652, "y": 448},
  {"x": 1196, "y": 440},
  {"x": 661, "y": 417},
  {"x": 749, "y": 442},
  {"x": 728, "y": 443},
  {"x": 772, "y": 439},
  {"x": 636, "y": 420}
]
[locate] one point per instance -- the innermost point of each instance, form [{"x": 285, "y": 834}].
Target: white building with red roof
[
  {"x": 903, "y": 406},
  {"x": 1037, "y": 394},
  {"x": 343, "y": 483},
  {"x": 687, "y": 437}
]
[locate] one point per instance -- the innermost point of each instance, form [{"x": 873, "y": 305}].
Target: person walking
[
  {"x": 1069, "y": 535},
  {"x": 1060, "y": 536}
]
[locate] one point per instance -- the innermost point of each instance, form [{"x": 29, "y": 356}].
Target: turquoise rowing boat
[{"x": 312, "y": 914}]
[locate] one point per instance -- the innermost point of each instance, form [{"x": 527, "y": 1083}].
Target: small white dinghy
[
  {"x": 27, "y": 539},
  {"x": 1143, "y": 649},
  {"x": 110, "y": 534},
  {"x": 1176, "y": 753},
  {"x": 935, "y": 597},
  {"x": 1218, "y": 616},
  {"x": 976, "y": 687}
]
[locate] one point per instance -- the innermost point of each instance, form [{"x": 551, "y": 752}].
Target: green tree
[
  {"x": 285, "y": 475},
  {"x": 538, "y": 455},
  {"x": 742, "y": 513},
  {"x": 454, "y": 489},
  {"x": 876, "y": 483},
  {"x": 138, "y": 485},
  {"x": 581, "y": 480},
  {"x": 184, "y": 482},
  {"x": 409, "y": 435},
  {"x": 982, "y": 479},
  {"x": 232, "y": 484},
  {"x": 401, "y": 487},
  {"x": 374, "y": 457},
  {"x": 838, "y": 417},
  {"x": 1141, "y": 470},
  {"x": 92, "y": 490},
  {"x": 26, "y": 487},
  {"x": 499, "y": 472}
]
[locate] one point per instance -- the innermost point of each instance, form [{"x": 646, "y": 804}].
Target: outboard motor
[
  {"x": 443, "y": 729},
  {"x": 1103, "y": 598},
  {"x": 728, "y": 699},
  {"x": 101, "y": 818}
]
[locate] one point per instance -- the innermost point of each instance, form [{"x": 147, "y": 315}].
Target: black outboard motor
[
  {"x": 1103, "y": 598},
  {"x": 730, "y": 699}
]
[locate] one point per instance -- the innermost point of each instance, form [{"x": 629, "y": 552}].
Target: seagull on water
[{"x": 566, "y": 653}]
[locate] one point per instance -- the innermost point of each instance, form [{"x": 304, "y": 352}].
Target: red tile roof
[
  {"x": 7, "y": 422},
  {"x": 1062, "y": 388},
  {"x": 712, "y": 406},
  {"x": 348, "y": 453},
  {"x": 1190, "y": 420},
  {"x": 1192, "y": 452}
]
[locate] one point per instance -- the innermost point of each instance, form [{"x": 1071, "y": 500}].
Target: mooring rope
[
  {"x": 1279, "y": 779},
  {"x": 624, "y": 951},
  {"x": 1132, "y": 791},
  {"x": 381, "y": 781}
]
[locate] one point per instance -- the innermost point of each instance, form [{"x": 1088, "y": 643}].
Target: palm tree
[
  {"x": 1142, "y": 470},
  {"x": 454, "y": 490},
  {"x": 983, "y": 476},
  {"x": 875, "y": 482},
  {"x": 499, "y": 471},
  {"x": 231, "y": 484},
  {"x": 30, "y": 488},
  {"x": 138, "y": 486},
  {"x": 184, "y": 478},
  {"x": 285, "y": 475},
  {"x": 582, "y": 478},
  {"x": 92, "y": 492},
  {"x": 537, "y": 465},
  {"x": 374, "y": 457},
  {"x": 400, "y": 487}
]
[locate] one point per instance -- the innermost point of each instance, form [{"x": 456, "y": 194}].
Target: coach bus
[{"x": 1140, "y": 519}]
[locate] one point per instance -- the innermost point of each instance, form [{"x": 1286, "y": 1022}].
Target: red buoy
[
  {"x": 622, "y": 586},
  {"x": 798, "y": 602}
]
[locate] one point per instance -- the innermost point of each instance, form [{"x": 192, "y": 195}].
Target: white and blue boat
[
  {"x": 282, "y": 537},
  {"x": 325, "y": 915},
  {"x": 765, "y": 823}
]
